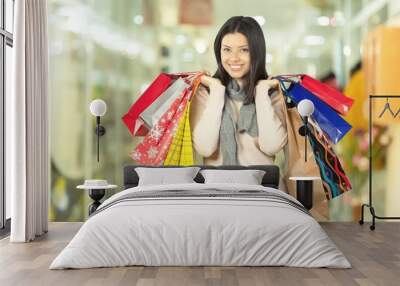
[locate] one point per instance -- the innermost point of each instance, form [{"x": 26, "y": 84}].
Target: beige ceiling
[{"x": 287, "y": 23}]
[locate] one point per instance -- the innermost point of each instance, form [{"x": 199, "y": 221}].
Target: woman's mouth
[{"x": 235, "y": 67}]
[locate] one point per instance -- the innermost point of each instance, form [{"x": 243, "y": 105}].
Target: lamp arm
[
  {"x": 98, "y": 137},
  {"x": 305, "y": 137}
]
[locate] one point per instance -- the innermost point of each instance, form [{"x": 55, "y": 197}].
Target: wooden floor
[{"x": 375, "y": 257}]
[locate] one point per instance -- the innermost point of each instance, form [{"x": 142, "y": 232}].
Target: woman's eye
[
  {"x": 245, "y": 50},
  {"x": 226, "y": 49}
]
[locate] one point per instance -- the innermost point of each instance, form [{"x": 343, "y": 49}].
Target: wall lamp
[
  {"x": 98, "y": 108},
  {"x": 305, "y": 108}
]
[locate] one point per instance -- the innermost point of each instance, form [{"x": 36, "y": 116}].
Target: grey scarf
[{"x": 247, "y": 122}]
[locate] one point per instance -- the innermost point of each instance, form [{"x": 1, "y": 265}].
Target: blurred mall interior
[{"x": 113, "y": 50}]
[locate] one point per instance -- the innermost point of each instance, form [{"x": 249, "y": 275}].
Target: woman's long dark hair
[{"x": 255, "y": 37}]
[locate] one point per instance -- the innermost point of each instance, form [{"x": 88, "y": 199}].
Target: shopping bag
[
  {"x": 334, "y": 180},
  {"x": 157, "y": 87},
  {"x": 332, "y": 97},
  {"x": 328, "y": 120},
  {"x": 327, "y": 94},
  {"x": 187, "y": 154},
  {"x": 155, "y": 110},
  {"x": 180, "y": 152},
  {"x": 155, "y": 146}
]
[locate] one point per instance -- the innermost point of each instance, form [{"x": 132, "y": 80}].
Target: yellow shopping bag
[{"x": 180, "y": 152}]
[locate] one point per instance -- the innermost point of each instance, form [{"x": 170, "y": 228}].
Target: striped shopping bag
[
  {"x": 334, "y": 178},
  {"x": 180, "y": 152}
]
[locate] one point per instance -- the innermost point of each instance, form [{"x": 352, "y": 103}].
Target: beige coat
[{"x": 277, "y": 130}]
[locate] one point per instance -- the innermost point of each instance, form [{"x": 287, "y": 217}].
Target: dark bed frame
[{"x": 270, "y": 179}]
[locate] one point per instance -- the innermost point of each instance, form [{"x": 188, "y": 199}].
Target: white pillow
[
  {"x": 165, "y": 176},
  {"x": 248, "y": 177}
]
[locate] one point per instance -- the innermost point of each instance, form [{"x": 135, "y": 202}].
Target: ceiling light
[
  {"x": 347, "y": 50},
  {"x": 338, "y": 19},
  {"x": 314, "y": 40},
  {"x": 268, "y": 58},
  {"x": 323, "y": 21},
  {"x": 180, "y": 39},
  {"x": 188, "y": 56},
  {"x": 138, "y": 19},
  {"x": 302, "y": 53},
  {"x": 200, "y": 46}
]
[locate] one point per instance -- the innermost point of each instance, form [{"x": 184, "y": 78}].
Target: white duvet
[{"x": 200, "y": 231}]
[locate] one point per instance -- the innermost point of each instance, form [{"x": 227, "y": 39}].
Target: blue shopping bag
[{"x": 327, "y": 119}]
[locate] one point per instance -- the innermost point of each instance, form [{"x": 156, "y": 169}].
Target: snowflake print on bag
[
  {"x": 156, "y": 132},
  {"x": 152, "y": 153},
  {"x": 136, "y": 155}
]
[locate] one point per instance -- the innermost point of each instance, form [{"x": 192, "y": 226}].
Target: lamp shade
[
  {"x": 98, "y": 107},
  {"x": 305, "y": 107}
]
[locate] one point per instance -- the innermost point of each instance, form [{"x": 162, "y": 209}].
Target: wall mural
[{"x": 181, "y": 116}]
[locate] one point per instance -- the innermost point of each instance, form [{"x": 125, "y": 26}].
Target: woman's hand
[
  {"x": 209, "y": 81},
  {"x": 267, "y": 84}
]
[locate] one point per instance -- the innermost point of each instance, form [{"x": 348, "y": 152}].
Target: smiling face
[{"x": 235, "y": 55}]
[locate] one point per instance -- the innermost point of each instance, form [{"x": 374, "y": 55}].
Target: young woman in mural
[
  {"x": 233, "y": 118},
  {"x": 235, "y": 121}
]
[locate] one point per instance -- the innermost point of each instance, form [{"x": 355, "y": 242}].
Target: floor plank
[{"x": 374, "y": 255}]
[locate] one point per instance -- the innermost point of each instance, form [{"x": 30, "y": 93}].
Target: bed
[{"x": 198, "y": 224}]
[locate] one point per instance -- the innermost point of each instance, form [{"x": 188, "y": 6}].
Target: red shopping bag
[
  {"x": 157, "y": 87},
  {"x": 329, "y": 95}
]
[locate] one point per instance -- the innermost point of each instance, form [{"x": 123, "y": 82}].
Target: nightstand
[
  {"x": 304, "y": 190},
  {"x": 96, "y": 193}
]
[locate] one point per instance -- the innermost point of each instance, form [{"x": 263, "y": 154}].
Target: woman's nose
[{"x": 235, "y": 56}]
